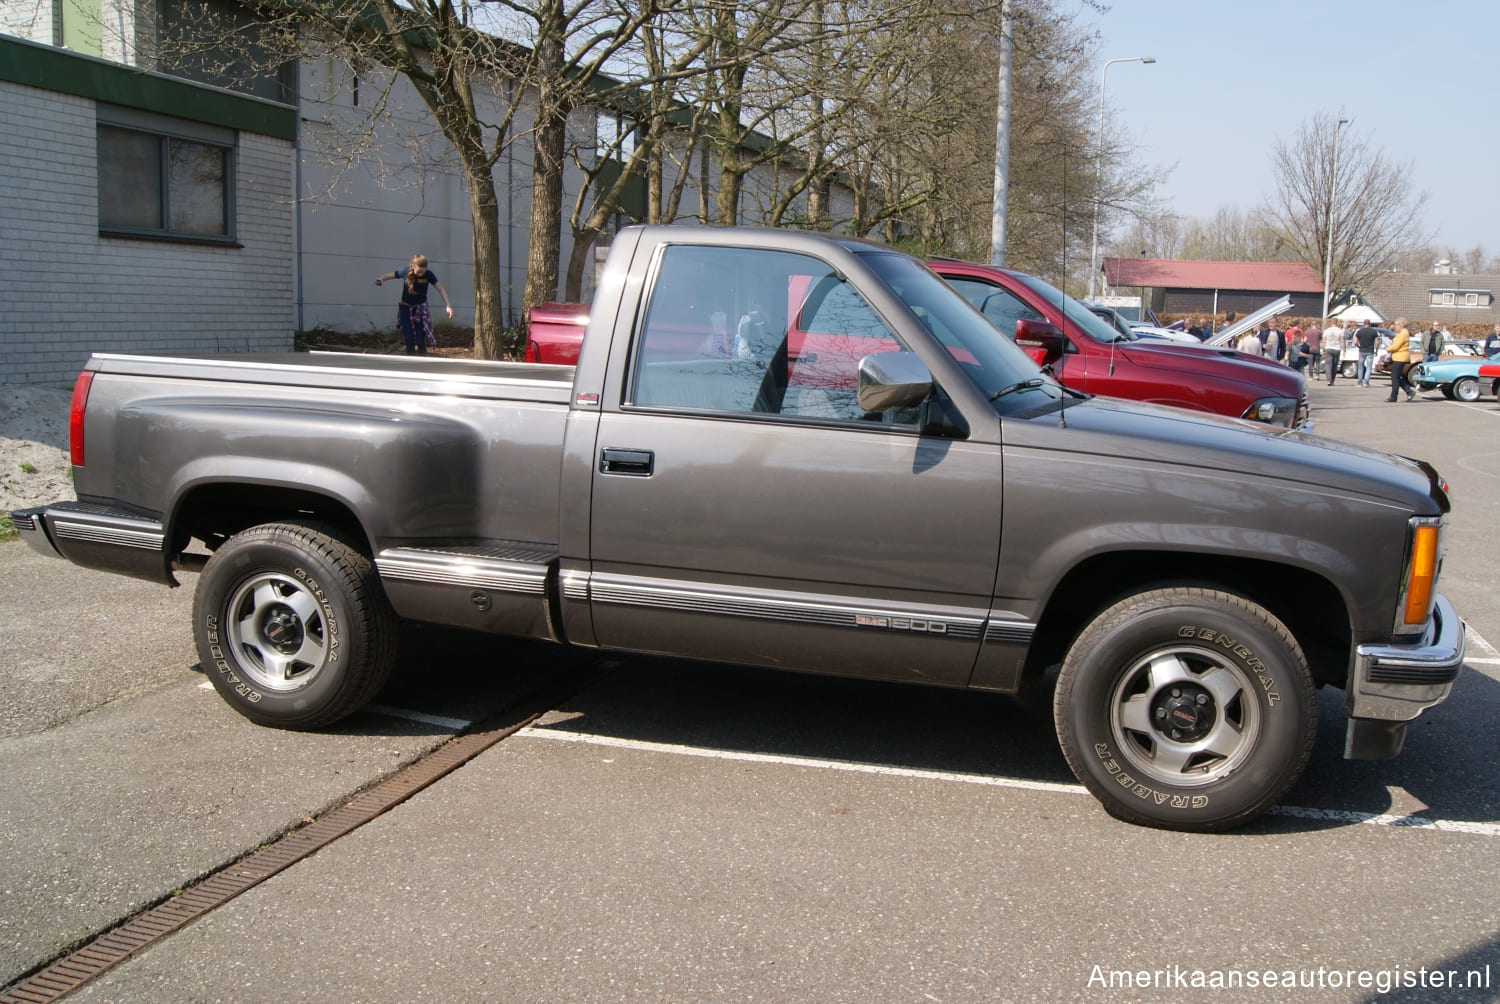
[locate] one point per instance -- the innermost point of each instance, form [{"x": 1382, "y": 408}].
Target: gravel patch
[{"x": 34, "y": 468}]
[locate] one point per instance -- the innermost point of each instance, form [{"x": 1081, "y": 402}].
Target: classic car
[{"x": 1458, "y": 379}]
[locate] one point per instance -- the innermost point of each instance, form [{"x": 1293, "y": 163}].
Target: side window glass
[
  {"x": 696, "y": 348},
  {"x": 1001, "y": 307},
  {"x": 831, "y": 331},
  {"x": 745, "y": 330}
]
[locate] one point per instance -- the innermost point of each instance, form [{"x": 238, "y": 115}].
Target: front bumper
[{"x": 1390, "y": 685}]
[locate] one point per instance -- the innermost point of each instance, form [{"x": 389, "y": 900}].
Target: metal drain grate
[{"x": 109, "y": 950}]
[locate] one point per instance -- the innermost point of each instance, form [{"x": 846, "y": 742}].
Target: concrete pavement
[{"x": 703, "y": 833}]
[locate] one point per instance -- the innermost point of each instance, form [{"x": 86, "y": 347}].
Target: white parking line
[
  {"x": 451, "y": 724},
  {"x": 541, "y": 732},
  {"x": 1294, "y": 811},
  {"x": 1475, "y": 639}
]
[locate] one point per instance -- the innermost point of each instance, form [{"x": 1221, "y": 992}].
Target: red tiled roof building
[{"x": 1216, "y": 287}]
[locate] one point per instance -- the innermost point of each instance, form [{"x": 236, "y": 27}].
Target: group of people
[{"x": 1323, "y": 350}]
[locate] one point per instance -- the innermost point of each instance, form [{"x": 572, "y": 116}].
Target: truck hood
[
  {"x": 1156, "y": 435},
  {"x": 1216, "y": 362}
]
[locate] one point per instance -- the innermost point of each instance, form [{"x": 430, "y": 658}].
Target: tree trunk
[
  {"x": 731, "y": 182},
  {"x": 489, "y": 323},
  {"x": 546, "y": 214},
  {"x": 578, "y": 260},
  {"x": 654, "y": 175}
]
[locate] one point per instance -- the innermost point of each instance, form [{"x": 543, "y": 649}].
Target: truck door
[{"x": 745, "y": 509}]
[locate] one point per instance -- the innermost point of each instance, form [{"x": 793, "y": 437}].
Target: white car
[
  {"x": 1349, "y": 361},
  {"x": 1112, "y": 317}
]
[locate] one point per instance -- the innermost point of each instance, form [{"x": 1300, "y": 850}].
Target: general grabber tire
[
  {"x": 292, "y": 625},
  {"x": 1186, "y": 709}
]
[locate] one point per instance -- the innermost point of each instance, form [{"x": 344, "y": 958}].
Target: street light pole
[
  {"x": 1332, "y": 198},
  {"x": 1002, "y": 142},
  {"x": 1099, "y": 162}
]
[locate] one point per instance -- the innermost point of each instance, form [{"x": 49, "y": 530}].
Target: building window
[
  {"x": 165, "y": 183},
  {"x": 1459, "y": 298},
  {"x": 614, "y": 137}
]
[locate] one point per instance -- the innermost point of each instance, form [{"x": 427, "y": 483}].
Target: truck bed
[{"x": 351, "y": 371}]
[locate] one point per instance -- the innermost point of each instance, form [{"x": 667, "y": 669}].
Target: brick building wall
[{"x": 74, "y": 291}]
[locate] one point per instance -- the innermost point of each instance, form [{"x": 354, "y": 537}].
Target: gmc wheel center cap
[{"x": 1184, "y": 713}]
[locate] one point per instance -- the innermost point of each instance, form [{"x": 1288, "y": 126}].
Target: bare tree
[
  {"x": 1235, "y": 235},
  {"x": 1376, "y": 218},
  {"x": 923, "y": 166},
  {"x": 1475, "y": 261},
  {"x": 1152, "y": 237},
  {"x": 483, "y": 93},
  {"x": 431, "y": 44},
  {"x": 893, "y": 97}
]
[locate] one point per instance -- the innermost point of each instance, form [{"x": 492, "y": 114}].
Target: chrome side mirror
[{"x": 892, "y": 381}]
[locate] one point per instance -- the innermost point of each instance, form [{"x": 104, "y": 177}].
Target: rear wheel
[
  {"x": 292, "y": 626},
  {"x": 1466, "y": 389},
  {"x": 1349, "y": 370},
  {"x": 1186, "y": 708}
]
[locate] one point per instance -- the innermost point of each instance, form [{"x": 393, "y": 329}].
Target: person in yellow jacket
[{"x": 1400, "y": 360}]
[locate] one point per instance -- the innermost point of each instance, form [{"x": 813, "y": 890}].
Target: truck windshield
[
  {"x": 1091, "y": 323},
  {"x": 993, "y": 361}
]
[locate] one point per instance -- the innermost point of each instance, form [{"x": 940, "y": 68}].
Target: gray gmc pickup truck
[{"x": 789, "y": 450}]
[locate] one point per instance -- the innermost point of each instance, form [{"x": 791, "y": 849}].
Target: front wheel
[
  {"x": 1349, "y": 370},
  {"x": 1186, "y": 708},
  {"x": 1466, "y": 389},
  {"x": 292, "y": 626}
]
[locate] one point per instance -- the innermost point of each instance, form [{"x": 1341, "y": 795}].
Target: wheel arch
[
  {"x": 214, "y": 511},
  {"x": 1310, "y": 606}
]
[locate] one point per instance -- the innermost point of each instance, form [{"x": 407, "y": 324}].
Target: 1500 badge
[{"x": 900, "y": 624}]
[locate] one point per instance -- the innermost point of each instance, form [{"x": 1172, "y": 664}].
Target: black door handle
[{"x": 633, "y": 463}]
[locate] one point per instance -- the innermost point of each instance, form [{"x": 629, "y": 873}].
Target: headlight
[
  {"x": 1424, "y": 557},
  {"x": 1273, "y": 411}
]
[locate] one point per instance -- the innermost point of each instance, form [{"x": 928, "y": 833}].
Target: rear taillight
[
  {"x": 75, "y": 416},
  {"x": 530, "y": 356}
]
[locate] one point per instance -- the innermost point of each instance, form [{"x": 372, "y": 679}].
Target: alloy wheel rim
[
  {"x": 1184, "y": 716},
  {"x": 278, "y": 632}
]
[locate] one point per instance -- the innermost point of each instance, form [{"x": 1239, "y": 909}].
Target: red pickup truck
[
  {"x": 556, "y": 333},
  {"x": 1085, "y": 353},
  {"x": 1098, "y": 359}
]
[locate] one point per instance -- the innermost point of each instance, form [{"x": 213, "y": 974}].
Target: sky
[{"x": 1420, "y": 82}]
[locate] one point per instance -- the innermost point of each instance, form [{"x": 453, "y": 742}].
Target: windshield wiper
[{"x": 1031, "y": 384}]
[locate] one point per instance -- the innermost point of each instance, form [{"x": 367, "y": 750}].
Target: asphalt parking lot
[{"x": 673, "y": 831}]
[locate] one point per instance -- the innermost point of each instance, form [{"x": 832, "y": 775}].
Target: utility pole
[
  {"x": 1332, "y": 198},
  {"x": 1002, "y": 142}
]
